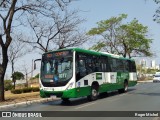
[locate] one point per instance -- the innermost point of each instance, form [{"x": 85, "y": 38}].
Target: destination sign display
[
  {"x": 58, "y": 54},
  {"x": 49, "y": 55},
  {"x": 48, "y": 76},
  {"x": 64, "y": 53}
]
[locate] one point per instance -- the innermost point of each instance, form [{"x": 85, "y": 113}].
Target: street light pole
[{"x": 32, "y": 69}]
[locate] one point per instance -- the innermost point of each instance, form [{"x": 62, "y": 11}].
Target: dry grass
[
  {"x": 16, "y": 98},
  {"x": 143, "y": 78}
]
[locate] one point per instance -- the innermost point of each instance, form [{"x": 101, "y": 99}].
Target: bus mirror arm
[
  {"x": 34, "y": 66},
  {"x": 35, "y": 62}
]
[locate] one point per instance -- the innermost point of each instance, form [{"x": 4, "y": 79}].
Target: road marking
[
  {"x": 122, "y": 95},
  {"x": 111, "y": 100},
  {"x": 85, "y": 105}
]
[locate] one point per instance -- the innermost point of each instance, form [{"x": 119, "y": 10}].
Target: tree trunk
[
  {"x": 1, "y": 83},
  {"x": 3, "y": 68},
  {"x": 125, "y": 50},
  {"x": 26, "y": 80}
]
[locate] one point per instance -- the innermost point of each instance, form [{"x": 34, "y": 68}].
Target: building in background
[
  {"x": 153, "y": 64},
  {"x": 143, "y": 63},
  {"x": 157, "y": 67}
]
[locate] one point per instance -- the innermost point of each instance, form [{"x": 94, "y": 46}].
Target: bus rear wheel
[
  {"x": 125, "y": 86},
  {"x": 94, "y": 93},
  {"x": 125, "y": 89}
]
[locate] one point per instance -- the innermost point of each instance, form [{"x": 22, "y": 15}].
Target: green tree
[
  {"x": 134, "y": 40},
  {"x": 8, "y": 85},
  {"x": 107, "y": 29},
  {"x": 17, "y": 75},
  {"x": 129, "y": 39},
  {"x": 151, "y": 71}
]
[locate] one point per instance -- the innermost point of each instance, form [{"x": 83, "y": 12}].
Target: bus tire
[
  {"x": 125, "y": 89},
  {"x": 125, "y": 86},
  {"x": 94, "y": 93}
]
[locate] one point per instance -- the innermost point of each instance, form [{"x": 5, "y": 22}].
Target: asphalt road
[{"x": 142, "y": 97}]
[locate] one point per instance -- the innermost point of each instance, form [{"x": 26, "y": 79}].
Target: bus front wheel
[{"x": 94, "y": 94}]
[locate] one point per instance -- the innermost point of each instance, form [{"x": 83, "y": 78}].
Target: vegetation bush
[
  {"x": 16, "y": 91},
  {"x": 8, "y": 85},
  {"x": 26, "y": 90},
  {"x": 143, "y": 78},
  {"x": 35, "y": 89}
]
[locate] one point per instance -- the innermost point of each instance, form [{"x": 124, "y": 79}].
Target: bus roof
[{"x": 92, "y": 52}]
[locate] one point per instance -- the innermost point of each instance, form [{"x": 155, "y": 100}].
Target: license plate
[{"x": 53, "y": 96}]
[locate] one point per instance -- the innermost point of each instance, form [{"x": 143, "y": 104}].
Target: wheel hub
[{"x": 94, "y": 92}]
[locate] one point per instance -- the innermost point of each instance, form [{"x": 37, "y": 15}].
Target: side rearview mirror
[
  {"x": 34, "y": 66},
  {"x": 35, "y": 63}
]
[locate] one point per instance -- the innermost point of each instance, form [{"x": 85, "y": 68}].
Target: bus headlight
[{"x": 70, "y": 86}]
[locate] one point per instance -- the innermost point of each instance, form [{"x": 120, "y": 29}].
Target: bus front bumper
[
  {"x": 61, "y": 94},
  {"x": 71, "y": 93}
]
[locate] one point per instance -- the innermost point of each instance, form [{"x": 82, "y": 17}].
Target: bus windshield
[{"x": 56, "y": 68}]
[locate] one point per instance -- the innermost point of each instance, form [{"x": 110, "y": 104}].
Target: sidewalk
[
  {"x": 25, "y": 99},
  {"x": 26, "y": 103},
  {"x": 145, "y": 81}
]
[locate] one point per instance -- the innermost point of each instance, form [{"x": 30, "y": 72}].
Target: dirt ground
[{"x": 16, "y": 98}]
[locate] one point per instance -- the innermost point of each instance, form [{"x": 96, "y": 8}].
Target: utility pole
[{"x": 32, "y": 69}]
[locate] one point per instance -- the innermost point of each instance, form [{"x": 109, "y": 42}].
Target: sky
[
  {"x": 97, "y": 10},
  {"x": 142, "y": 10}
]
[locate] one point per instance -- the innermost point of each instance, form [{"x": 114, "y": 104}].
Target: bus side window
[
  {"x": 80, "y": 66},
  {"x": 126, "y": 65},
  {"x": 132, "y": 66},
  {"x": 105, "y": 66},
  {"x": 98, "y": 65},
  {"x": 119, "y": 65},
  {"x": 89, "y": 64},
  {"x": 113, "y": 64}
]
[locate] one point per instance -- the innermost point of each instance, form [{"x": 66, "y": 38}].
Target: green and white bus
[{"x": 74, "y": 72}]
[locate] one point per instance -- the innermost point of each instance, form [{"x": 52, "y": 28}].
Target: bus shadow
[
  {"x": 114, "y": 93},
  {"x": 84, "y": 100},
  {"x": 74, "y": 102},
  {"x": 151, "y": 93},
  {"x": 148, "y": 94}
]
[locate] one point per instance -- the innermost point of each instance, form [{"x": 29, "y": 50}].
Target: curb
[
  {"x": 27, "y": 103},
  {"x": 147, "y": 81}
]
